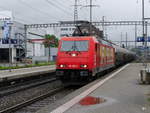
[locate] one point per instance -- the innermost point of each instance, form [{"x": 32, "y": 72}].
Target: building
[
  {"x": 66, "y": 31},
  {"x": 35, "y": 46},
  {"x": 15, "y": 31}
]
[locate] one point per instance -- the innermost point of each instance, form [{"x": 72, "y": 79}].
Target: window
[
  {"x": 62, "y": 35},
  {"x": 64, "y": 29},
  {"x": 81, "y": 45}
]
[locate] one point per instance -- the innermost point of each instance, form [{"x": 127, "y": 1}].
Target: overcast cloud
[
  {"x": 48, "y": 11},
  {"x": 43, "y": 11}
]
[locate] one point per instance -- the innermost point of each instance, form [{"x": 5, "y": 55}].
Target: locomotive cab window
[{"x": 81, "y": 45}]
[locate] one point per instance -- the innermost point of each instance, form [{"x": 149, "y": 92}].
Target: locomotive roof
[
  {"x": 78, "y": 37},
  {"x": 105, "y": 42}
]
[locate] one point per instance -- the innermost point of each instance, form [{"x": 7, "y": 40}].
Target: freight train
[{"x": 85, "y": 54}]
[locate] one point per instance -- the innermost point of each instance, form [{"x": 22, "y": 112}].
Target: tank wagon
[{"x": 83, "y": 55}]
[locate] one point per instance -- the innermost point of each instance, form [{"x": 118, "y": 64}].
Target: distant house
[{"x": 35, "y": 47}]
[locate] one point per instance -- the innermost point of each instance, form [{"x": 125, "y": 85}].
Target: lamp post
[
  {"x": 135, "y": 34},
  {"x": 10, "y": 51},
  {"x": 143, "y": 33},
  {"x": 91, "y": 17},
  {"x": 143, "y": 21},
  {"x": 10, "y": 48},
  {"x": 144, "y": 24}
]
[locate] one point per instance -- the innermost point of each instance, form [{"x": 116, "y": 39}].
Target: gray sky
[
  {"x": 47, "y": 11},
  {"x": 43, "y": 11}
]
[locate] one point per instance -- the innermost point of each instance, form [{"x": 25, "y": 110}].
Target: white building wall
[
  {"x": 30, "y": 49},
  {"x": 37, "y": 49},
  {"x": 53, "y": 53},
  {"x": 13, "y": 54}
]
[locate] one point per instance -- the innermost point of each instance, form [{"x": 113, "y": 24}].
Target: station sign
[
  {"x": 6, "y": 16},
  {"x": 6, "y": 41},
  {"x": 148, "y": 39},
  {"x": 141, "y": 39}
]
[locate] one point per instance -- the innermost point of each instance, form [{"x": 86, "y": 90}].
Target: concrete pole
[
  {"x": 135, "y": 34},
  {"x": 126, "y": 39},
  {"x": 143, "y": 18},
  {"x": 10, "y": 49},
  {"x": 121, "y": 40},
  {"x": 90, "y": 17},
  {"x": 146, "y": 49}
]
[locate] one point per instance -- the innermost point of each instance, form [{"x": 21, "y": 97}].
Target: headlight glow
[
  {"x": 73, "y": 54},
  {"x": 84, "y": 66},
  {"x": 62, "y": 65}
]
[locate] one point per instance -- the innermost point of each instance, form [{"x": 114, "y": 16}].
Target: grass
[
  {"x": 149, "y": 99},
  {"x": 28, "y": 65}
]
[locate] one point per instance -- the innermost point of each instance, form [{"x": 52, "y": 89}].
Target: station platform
[
  {"x": 25, "y": 72},
  {"x": 120, "y": 91}
]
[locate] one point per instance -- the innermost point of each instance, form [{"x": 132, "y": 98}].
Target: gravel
[
  {"x": 16, "y": 98},
  {"x": 40, "y": 104}
]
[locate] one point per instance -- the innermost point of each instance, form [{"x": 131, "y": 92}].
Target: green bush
[
  {"x": 28, "y": 65},
  {"x": 149, "y": 99}
]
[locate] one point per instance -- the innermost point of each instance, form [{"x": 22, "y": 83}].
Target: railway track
[
  {"x": 42, "y": 102},
  {"x": 46, "y": 100},
  {"x": 34, "y": 104},
  {"x": 17, "y": 95},
  {"x": 23, "y": 86},
  {"x": 20, "y": 81},
  {"x": 25, "y": 103}
]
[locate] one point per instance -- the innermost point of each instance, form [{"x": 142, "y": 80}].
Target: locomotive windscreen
[{"x": 74, "y": 45}]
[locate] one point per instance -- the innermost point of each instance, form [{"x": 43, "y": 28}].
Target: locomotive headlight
[
  {"x": 62, "y": 65},
  {"x": 84, "y": 66},
  {"x": 73, "y": 54}
]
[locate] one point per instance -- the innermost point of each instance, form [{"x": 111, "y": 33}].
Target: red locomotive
[{"x": 81, "y": 56}]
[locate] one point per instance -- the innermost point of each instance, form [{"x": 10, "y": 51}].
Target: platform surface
[
  {"x": 23, "y": 72},
  {"x": 122, "y": 92}
]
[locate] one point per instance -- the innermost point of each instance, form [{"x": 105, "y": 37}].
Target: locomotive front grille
[{"x": 72, "y": 74}]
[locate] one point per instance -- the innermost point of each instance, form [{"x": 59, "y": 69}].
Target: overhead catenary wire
[
  {"x": 40, "y": 12},
  {"x": 72, "y": 2},
  {"x": 19, "y": 13},
  {"x": 61, "y": 3},
  {"x": 16, "y": 18},
  {"x": 48, "y": 15},
  {"x": 58, "y": 7}
]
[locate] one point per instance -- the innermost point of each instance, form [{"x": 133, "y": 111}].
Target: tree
[{"x": 50, "y": 41}]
